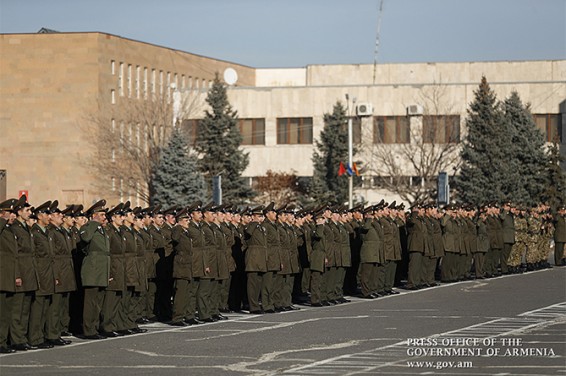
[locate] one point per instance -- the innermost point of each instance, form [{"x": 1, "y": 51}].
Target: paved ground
[{"x": 511, "y": 325}]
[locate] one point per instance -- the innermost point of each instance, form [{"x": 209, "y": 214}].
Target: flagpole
[{"x": 350, "y": 164}]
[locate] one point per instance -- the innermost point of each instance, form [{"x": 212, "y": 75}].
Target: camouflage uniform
[
  {"x": 521, "y": 239},
  {"x": 533, "y": 239}
]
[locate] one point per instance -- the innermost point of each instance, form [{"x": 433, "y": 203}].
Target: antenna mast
[{"x": 377, "y": 40}]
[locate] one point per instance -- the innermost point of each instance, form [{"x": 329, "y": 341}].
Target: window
[
  {"x": 129, "y": 81},
  {"x": 356, "y": 130},
  {"x": 121, "y": 80},
  {"x": 550, "y": 126},
  {"x": 153, "y": 81},
  {"x": 138, "y": 73},
  {"x": 145, "y": 82},
  {"x": 190, "y": 127},
  {"x": 391, "y": 130},
  {"x": 441, "y": 129},
  {"x": 253, "y": 131},
  {"x": 113, "y": 67},
  {"x": 113, "y": 96},
  {"x": 294, "y": 130}
]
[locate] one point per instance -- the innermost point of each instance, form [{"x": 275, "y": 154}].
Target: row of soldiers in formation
[{"x": 101, "y": 272}]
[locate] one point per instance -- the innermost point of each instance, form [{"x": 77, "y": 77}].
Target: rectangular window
[
  {"x": 121, "y": 80},
  {"x": 113, "y": 96},
  {"x": 190, "y": 128},
  {"x": 153, "y": 81},
  {"x": 138, "y": 73},
  {"x": 161, "y": 83},
  {"x": 550, "y": 126},
  {"x": 356, "y": 130},
  {"x": 441, "y": 129},
  {"x": 129, "y": 80},
  {"x": 294, "y": 130},
  {"x": 145, "y": 82},
  {"x": 113, "y": 67},
  {"x": 391, "y": 130},
  {"x": 253, "y": 131}
]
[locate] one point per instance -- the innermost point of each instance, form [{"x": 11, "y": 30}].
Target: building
[{"x": 48, "y": 82}]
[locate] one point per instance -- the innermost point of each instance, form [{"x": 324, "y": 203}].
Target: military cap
[
  {"x": 270, "y": 207},
  {"x": 392, "y": 205},
  {"x": 195, "y": 206},
  {"x": 43, "y": 208},
  {"x": 21, "y": 203},
  {"x": 96, "y": 208},
  {"x": 208, "y": 207},
  {"x": 357, "y": 208},
  {"x": 8, "y": 205},
  {"x": 116, "y": 210},
  {"x": 400, "y": 206},
  {"x": 257, "y": 210},
  {"x": 183, "y": 213},
  {"x": 127, "y": 207},
  {"x": 245, "y": 211},
  {"x": 78, "y": 211},
  {"x": 173, "y": 210},
  {"x": 54, "y": 207},
  {"x": 68, "y": 211}
]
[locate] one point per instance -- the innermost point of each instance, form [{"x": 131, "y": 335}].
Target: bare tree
[
  {"x": 279, "y": 187},
  {"x": 128, "y": 139},
  {"x": 428, "y": 145}
]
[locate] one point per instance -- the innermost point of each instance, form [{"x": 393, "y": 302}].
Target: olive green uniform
[{"x": 8, "y": 267}]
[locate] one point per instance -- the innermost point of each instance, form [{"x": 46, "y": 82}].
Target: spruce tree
[
  {"x": 331, "y": 149},
  {"x": 218, "y": 144},
  {"x": 528, "y": 160},
  {"x": 485, "y": 172},
  {"x": 555, "y": 178},
  {"x": 176, "y": 178}
]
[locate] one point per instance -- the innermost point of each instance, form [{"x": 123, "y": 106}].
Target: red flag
[
  {"x": 355, "y": 168},
  {"x": 341, "y": 169}
]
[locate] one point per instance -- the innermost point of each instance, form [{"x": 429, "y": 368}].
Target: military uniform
[
  {"x": 317, "y": 265},
  {"x": 8, "y": 267},
  {"x": 495, "y": 234},
  {"x": 450, "y": 239},
  {"x": 371, "y": 253},
  {"x": 185, "y": 289},
  {"x": 508, "y": 223},
  {"x": 256, "y": 264},
  {"x": 24, "y": 294},
  {"x": 559, "y": 239},
  {"x": 95, "y": 272},
  {"x": 482, "y": 246},
  {"x": 417, "y": 243}
]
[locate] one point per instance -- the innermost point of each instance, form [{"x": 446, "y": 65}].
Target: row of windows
[
  {"x": 299, "y": 131},
  {"x": 139, "y": 83},
  {"x": 439, "y": 129}
]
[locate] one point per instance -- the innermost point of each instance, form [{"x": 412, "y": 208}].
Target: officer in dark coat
[
  {"x": 95, "y": 270},
  {"x": 8, "y": 267},
  {"x": 26, "y": 278},
  {"x": 256, "y": 259},
  {"x": 43, "y": 257}
]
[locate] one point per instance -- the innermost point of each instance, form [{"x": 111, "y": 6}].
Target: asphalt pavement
[{"x": 510, "y": 325}]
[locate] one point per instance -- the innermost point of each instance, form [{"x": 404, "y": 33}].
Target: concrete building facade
[{"x": 50, "y": 82}]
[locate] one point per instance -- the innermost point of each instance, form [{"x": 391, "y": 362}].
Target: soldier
[
  {"x": 76, "y": 299},
  {"x": 164, "y": 267},
  {"x": 184, "y": 301},
  {"x": 495, "y": 234},
  {"x": 256, "y": 259},
  {"x": 371, "y": 253},
  {"x": 521, "y": 237},
  {"x": 317, "y": 260},
  {"x": 143, "y": 242},
  {"x": 43, "y": 258},
  {"x": 95, "y": 271},
  {"x": 436, "y": 245},
  {"x": 134, "y": 279},
  {"x": 345, "y": 254},
  {"x": 450, "y": 239},
  {"x": 113, "y": 317},
  {"x": 417, "y": 244},
  {"x": 64, "y": 276},
  {"x": 26, "y": 278},
  {"x": 8, "y": 275},
  {"x": 213, "y": 218},
  {"x": 272, "y": 281},
  {"x": 482, "y": 244},
  {"x": 560, "y": 236},
  {"x": 66, "y": 228},
  {"x": 508, "y": 223}
]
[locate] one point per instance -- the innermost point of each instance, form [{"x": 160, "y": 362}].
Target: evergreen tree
[
  {"x": 218, "y": 144},
  {"x": 176, "y": 178},
  {"x": 555, "y": 192},
  {"x": 528, "y": 160},
  {"x": 331, "y": 149},
  {"x": 486, "y": 167}
]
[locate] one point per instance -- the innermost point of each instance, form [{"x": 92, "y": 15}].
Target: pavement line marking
[
  {"x": 529, "y": 323},
  {"x": 276, "y": 326}
]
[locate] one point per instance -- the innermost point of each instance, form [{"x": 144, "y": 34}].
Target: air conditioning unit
[
  {"x": 415, "y": 109},
  {"x": 364, "y": 109}
]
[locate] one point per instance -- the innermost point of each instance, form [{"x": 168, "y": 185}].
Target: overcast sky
[{"x": 296, "y": 33}]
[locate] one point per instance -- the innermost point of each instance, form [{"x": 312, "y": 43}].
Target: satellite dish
[{"x": 230, "y": 76}]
